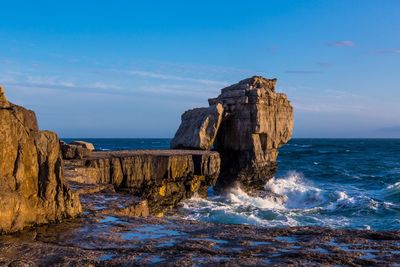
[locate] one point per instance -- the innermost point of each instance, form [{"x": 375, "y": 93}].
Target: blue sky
[{"x": 129, "y": 69}]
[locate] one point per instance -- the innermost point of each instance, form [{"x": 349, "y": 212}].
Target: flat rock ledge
[{"x": 162, "y": 178}]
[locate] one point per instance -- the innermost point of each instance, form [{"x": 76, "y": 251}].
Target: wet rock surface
[
  {"x": 32, "y": 188},
  {"x": 103, "y": 199},
  {"x": 163, "y": 178},
  {"x": 107, "y": 240},
  {"x": 107, "y": 235}
]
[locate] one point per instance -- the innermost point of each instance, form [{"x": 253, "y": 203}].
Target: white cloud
[
  {"x": 328, "y": 100},
  {"x": 303, "y": 71},
  {"x": 49, "y": 81},
  {"x": 161, "y": 76},
  {"x": 390, "y": 51},
  {"x": 343, "y": 44}
]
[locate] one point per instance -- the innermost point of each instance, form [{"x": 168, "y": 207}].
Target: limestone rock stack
[
  {"x": 256, "y": 121},
  {"x": 32, "y": 190}
]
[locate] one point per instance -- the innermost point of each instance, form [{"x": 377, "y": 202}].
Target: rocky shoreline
[
  {"x": 115, "y": 230},
  {"x": 70, "y": 205},
  {"x": 106, "y": 240},
  {"x": 244, "y": 126}
]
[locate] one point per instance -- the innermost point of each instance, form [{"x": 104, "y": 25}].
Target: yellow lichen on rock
[
  {"x": 196, "y": 183},
  {"x": 163, "y": 190}
]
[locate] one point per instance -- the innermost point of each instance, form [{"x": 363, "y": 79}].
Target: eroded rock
[
  {"x": 255, "y": 122},
  {"x": 162, "y": 177},
  {"x": 84, "y": 144},
  {"x": 32, "y": 190},
  {"x": 198, "y": 128},
  {"x": 71, "y": 151}
]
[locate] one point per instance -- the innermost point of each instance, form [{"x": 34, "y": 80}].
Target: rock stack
[
  {"x": 246, "y": 124},
  {"x": 32, "y": 190}
]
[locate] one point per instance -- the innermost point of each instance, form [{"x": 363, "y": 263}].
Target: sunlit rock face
[
  {"x": 32, "y": 190},
  {"x": 198, "y": 128},
  {"x": 255, "y": 122},
  {"x": 161, "y": 177}
]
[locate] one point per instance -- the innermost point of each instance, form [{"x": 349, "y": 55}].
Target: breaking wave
[{"x": 291, "y": 200}]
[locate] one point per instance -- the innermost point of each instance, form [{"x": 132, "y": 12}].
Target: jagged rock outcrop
[
  {"x": 256, "y": 121},
  {"x": 198, "y": 128},
  {"x": 162, "y": 177},
  {"x": 32, "y": 190}
]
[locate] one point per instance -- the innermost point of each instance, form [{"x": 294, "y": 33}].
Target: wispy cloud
[
  {"x": 390, "y": 51},
  {"x": 199, "y": 89},
  {"x": 178, "y": 90},
  {"x": 162, "y": 76},
  {"x": 324, "y": 64},
  {"x": 56, "y": 83},
  {"x": 303, "y": 71},
  {"x": 101, "y": 85},
  {"x": 49, "y": 81},
  {"x": 342, "y": 44},
  {"x": 327, "y": 100}
]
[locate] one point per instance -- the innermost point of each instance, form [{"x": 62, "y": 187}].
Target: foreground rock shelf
[
  {"x": 121, "y": 241},
  {"x": 163, "y": 178}
]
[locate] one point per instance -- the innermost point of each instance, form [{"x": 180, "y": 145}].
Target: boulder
[
  {"x": 84, "y": 144},
  {"x": 198, "y": 128},
  {"x": 32, "y": 189},
  {"x": 70, "y": 151}
]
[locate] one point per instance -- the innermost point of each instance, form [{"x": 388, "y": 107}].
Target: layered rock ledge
[
  {"x": 32, "y": 188},
  {"x": 163, "y": 178}
]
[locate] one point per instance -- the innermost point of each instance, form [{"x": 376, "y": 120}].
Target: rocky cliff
[
  {"x": 32, "y": 190},
  {"x": 161, "y": 177},
  {"x": 256, "y": 121}
]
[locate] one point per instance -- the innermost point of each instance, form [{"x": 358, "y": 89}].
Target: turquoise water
[{"x": 340, "y": 183}]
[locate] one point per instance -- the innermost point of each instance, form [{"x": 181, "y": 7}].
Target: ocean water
[{"x": 339, "y": 183}]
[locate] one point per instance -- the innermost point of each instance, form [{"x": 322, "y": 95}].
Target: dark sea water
[{"x": 340, "y": 183}]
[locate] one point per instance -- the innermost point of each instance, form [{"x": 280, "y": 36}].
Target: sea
[{"x": 337, "y": 183}]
